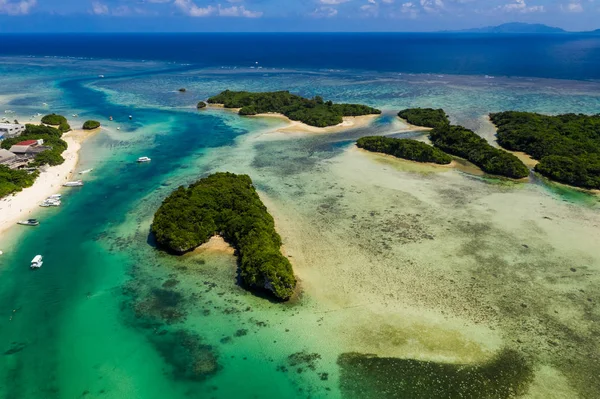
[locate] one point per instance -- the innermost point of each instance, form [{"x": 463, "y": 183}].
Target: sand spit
[{"x": 349, "y": 122}]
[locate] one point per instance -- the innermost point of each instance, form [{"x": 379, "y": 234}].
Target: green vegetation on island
[
  {"x": 227, "y": 204},
  {"x": 404, "y": 148},
  {"x": 201, "y": 105},
  {"x": 57, "y": 120},
  {"x": 90, "y": 125},
  {"x": 12, "y": 181},
  {"x": 427, "y": 117},
  {"x": 462, "y": 142},
  {"x": 567, "y": 146},
  {"x": 52, "y": 139},
  {"x": 314, "y": 112}
]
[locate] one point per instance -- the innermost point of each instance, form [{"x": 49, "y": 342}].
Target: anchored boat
[
  {"x": 29, "y": 222},
  {"x": 76, "y": 183},
  {"x": 37, "y": 262},
  {"x": 143, "y": 159}
]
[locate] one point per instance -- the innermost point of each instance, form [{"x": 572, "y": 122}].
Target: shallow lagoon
[{"x": 432, "y": 270}]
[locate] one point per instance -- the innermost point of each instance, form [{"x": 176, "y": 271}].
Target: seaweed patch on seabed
[
  {"x": 506, "y": 376},
  {"x": 188, "y": 356}
]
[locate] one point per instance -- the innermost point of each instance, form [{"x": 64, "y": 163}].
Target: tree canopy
[
  {"x": 57, "y": 120},
  {"x": 404, "y": 148},
  {"x": 201, "y": 104},
  {"x": 314, "y": 112},
  {"x": 567, "y": 146},
  {"x": 427, "y": 117},
  {"x": 462, "y": 142},
  {"x": 90, "y": 125},
  {"x": 12, "y": 181},
  {"x": 227, "y": 204}
]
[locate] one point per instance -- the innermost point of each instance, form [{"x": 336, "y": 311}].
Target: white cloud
[
  {"x": 574, "y": 6},
  {"x": 520, "y": 6},
  {"x": 409, "y": 9},
  {"x": 333, "y": 2},
  {"x": 191, "y": 9},
  {"x": 99, "y": 8},
  {"x": 432, "y": 5},
  {"x": 22, "y": 7},
  {"x": 325, "y": 12}
]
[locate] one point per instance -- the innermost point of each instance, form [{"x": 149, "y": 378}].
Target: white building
[{"x": 8, "y": 130}]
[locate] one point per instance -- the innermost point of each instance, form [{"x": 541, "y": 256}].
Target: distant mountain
[{"x": 516, "y": 27}]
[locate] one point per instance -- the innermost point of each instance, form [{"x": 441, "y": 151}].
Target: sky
[{"x": 289, "y": 15}]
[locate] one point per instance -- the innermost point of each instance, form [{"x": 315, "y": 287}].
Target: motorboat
[
  {"x": 54, "y": 197},
  {"x": 100, "y": 76},
  {"x": 143, "y": 159},
  {"x": 83, "y": 172},
  {"x": 76, "y": 183},
  {"x": 29, "y": 222},
  {"x": 50, "y": 202},
  {"x": 37, "y": 262}
]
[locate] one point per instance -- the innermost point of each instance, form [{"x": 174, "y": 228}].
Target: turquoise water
[{"x": 109, "y": 316}]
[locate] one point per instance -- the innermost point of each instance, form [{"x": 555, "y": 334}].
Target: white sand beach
[{"x": 23, "y": 204}]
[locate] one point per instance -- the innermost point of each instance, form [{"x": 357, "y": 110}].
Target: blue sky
[{"x": 290, "y": 15}]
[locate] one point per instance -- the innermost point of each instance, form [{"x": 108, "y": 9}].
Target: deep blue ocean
[{"x": 561, "y": 56}]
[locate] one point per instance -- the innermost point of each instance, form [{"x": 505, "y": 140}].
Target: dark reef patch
[
  {"x": 508, "y": 375},
  {"x": 189, "y": 358}
]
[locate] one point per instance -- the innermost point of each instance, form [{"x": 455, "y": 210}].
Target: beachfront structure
[
  {"x": 8, "y": 130},
  {"x": 6, "y": 157},
  {"x": 28, "y": 147}
]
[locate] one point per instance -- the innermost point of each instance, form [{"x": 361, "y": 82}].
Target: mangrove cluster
[
  {"x": 90, "y": 125},
  {"x": 57, "y": 120},
  {"x": 427, "y": 117},
  {"x": 567, "y": 146},
  {"x": 465, "y": 143},
  {"x": 227, "y": 204},
  {"x": 404, "y": 148},
  {"x": 314, "y": 112},
  {"x": 52, "y": 139}
]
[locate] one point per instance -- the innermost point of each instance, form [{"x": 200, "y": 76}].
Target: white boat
[
  {"x": 50, "y": 202},
  {"x": 76, "y": 183},
  {"x": 37, "y": 262},
  {"x": 75, "y": 115},
  {"x": 55, "y": 197},
  {"x": 29, "y": 222},
  {"x": 118, "y": 128},
  {"x": 143, "y": 159},
  {"x": 100, "y": 76},
  {"x": 83, "y": 172}
]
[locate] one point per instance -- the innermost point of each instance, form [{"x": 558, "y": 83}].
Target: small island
[
  {"x": 567, "y": 146},
  {"x": 404, "y": 148},
  {"x": 465, "y": 143},
  {"x": 314, "y": 112},
  {"x": 91, "y": 125},
  {"x": 57, "y": 120},
  {"x": 426, "y": 117},
  {"x": 228, "y": 205},
  {"x": 201, "y": 105}
]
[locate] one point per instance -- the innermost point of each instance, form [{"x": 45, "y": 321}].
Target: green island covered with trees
[
  {"x": 57, "y": 120},
  {"x": 52, "y": 139},
  {"x": 314, "y": 112},
  {"x": 90, "y": 125},
  {"x": 465, "y": 143},
  {"x": 201, "y": 104},
  {"x": 566, "y": 146},
  {"x": 227, "y": 204},
  {"x": 427, "y": 117},
  {"x": 404, "y": 148}
]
